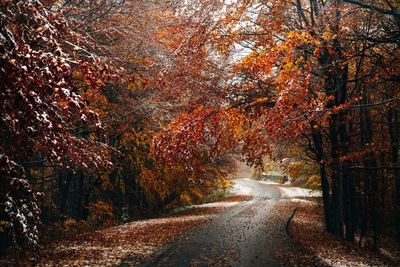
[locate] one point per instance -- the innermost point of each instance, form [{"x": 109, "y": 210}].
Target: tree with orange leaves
[{"x": 323, "y": 65}]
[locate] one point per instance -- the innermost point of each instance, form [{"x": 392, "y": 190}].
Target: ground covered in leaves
[
  {"x": 136, "y": 241},
  {"x": 319, "y": 248}
]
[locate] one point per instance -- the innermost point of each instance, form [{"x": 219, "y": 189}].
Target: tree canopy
[{"x": 111, "y": 109}]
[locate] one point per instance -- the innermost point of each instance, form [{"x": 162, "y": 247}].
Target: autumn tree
[
  {"x": 41, "y": 108},
  {"x": 178, "y": 88},
  {"x": 320, "y": 73}
]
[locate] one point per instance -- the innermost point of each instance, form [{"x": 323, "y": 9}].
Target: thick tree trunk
[
  {"x": 337, "y": 179},
  {"x": 64, "y": 182},
  {"x": 347, "y": 176},
  {"x": 394, "y": 143},
  {"x": 317, "y": 138}
]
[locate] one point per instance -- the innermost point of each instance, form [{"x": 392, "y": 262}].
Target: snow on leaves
[
  {"x": 40, "y": 108},
  {"x": 19, "y": 210}
]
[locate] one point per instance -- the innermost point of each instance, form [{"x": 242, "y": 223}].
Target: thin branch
[{"x": 370, "y": 6}]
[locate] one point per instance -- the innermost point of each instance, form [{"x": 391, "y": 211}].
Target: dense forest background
[{"x": 113, "y": 110}]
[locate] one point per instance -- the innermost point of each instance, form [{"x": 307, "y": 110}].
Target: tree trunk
[
  {"x": 317, "y": 138},
  {"x": 394, "y": 144}
]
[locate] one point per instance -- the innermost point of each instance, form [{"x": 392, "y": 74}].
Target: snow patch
[
  {"x": 269, "y": 182},
  {"x": 241, "y": 189},
  {"x": 293, "y": 192},
  {"x": 217, "y": 204}
]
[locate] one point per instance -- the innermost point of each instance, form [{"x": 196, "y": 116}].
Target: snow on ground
[
  {"x": 269, "y": 183},
  {"x": 221, "y": 204},
  {"x": 295, "y": 192},
  {"x": 241, "y": 189}
]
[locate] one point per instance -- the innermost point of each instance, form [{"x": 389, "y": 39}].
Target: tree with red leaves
[
  {"x": 330, "y": 71},
  {"x": 40, "y": 110}
]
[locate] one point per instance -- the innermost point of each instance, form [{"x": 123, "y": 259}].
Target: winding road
[{"x": 243, "y": 236}]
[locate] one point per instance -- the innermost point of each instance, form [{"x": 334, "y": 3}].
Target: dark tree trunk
[
  {"x": 317, "y": 138},
  {"x": 394, "y": 143},
  {"x": 64, "y": 182}
]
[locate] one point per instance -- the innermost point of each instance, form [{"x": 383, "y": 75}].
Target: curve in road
[{"x": 242, "y": 236}]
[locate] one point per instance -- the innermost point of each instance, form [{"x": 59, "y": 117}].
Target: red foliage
[{"x": 41, "y": 109}]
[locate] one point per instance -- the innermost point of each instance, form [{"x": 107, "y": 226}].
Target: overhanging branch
[{"x": 370, "y": 6}]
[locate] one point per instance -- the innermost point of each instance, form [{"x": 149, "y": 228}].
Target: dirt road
[{"x": 244, "y": 236}]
